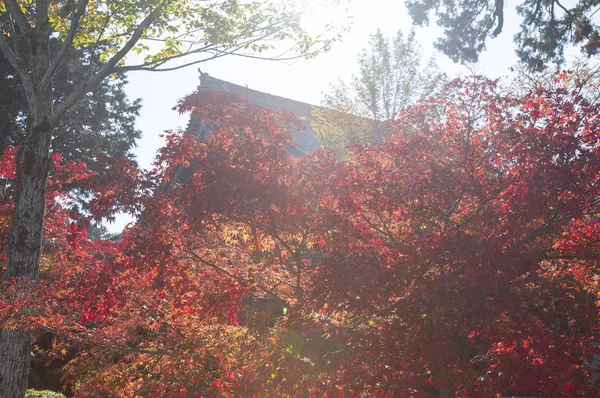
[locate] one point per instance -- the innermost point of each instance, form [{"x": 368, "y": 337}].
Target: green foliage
[
  {"x": 42, "y": 394},
  {"x": 102, "y": 122},
  {"x": 555, "y": 26},
  {"x": 546, "y": 28},
  {"x": 391, "y": 77},
  {"x": 338, "y": 129},
  {"x": 184, "y": 27}
]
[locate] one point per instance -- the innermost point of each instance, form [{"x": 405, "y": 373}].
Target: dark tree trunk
[
  {"x": 33, "y": 165},
  {"x": 15, "y": 348},
  {"x": 25, "y": 240},
  {"x": 24, "y": 249}
]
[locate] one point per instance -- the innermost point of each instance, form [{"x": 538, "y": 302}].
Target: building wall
[{"x": 305, "y": 140}]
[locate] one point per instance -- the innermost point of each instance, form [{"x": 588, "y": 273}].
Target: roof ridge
[{"x": 246, "y": 87}]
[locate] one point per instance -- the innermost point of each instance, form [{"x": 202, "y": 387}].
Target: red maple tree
[{"x": 457, "y": 259}]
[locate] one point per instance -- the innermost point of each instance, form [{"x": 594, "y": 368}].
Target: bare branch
[
  {"x": 217, "y": 52},
  {"x": 499, "y": 14},
  {"x": 17, "y": 15},
  {"x": 17, "y": 63},
  {"x": 152, "y": 65}
]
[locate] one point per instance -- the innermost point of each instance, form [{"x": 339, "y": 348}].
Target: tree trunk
[
  {"x": 33, "y": 165},
  {"x": 15, "y": 349},
  {"x": 25, "y": 240},
  {"x": 24, "y": 249}
]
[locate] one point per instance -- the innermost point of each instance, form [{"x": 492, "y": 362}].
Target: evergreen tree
[
  {"x": 546, "y": 28},
  {"x": 102, "y": 122}
]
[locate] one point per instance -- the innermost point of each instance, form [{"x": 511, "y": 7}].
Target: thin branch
[
  {"x": 17, "y": 63},
  {"x": 153, "y": 65},
  {"x": 381, "y": 231},
  {"x": 17, "y": 38},
  {"x": 66, "y": 44},
  {"x": 538, "y": 5},
  {"x": 552, "y": 222},
  {"x": 109, "y": 67},
  {"x": 15, "y": 12},
  {"x": 281, "y": 281},
  {"x": 147, "y": 352},
  {"x": 100, "y": 34},
  {"x": 196, "y": 256},
  {"x": 155, "y": 69},
  {"x": 567, "y": 11}
]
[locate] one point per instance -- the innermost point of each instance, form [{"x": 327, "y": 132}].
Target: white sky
[{"x": 303, "y": 80}]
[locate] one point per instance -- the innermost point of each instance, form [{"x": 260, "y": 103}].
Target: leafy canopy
[
  {"x": 459, "y": 259},
  {"x": 102, "y": 122},
  {"x": 162, "y": 34},
  {"x": 391, "y": 77},
  {"x": 546, "y": 27}
]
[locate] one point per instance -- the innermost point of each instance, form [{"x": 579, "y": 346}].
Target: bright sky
[{"x": 303, "y": 80}]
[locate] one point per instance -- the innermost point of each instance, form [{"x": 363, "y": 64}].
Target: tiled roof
[{"x": 305, "y": 140}]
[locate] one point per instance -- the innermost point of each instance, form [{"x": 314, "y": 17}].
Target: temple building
[{"x": 305, "y": 139}]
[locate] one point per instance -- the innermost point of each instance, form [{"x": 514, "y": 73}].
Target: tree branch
[
  {"x": 217, "y": 52},
  {"x": 196, "y": 256},
  {"x": 14, "y": 10},
  {"x": 41, "y": 14},
  {"x": 108, "y": 68},
  {"x": 499, "y": 13},
  {"x": 147, "y": 352},
  {"x": 66, "y": 44},
  {"x": 98, "y": 39},
  {"x": 153, "y": 65},
  {"x": 17, "y": 63},
  {"x": 155, "y": 69}
]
